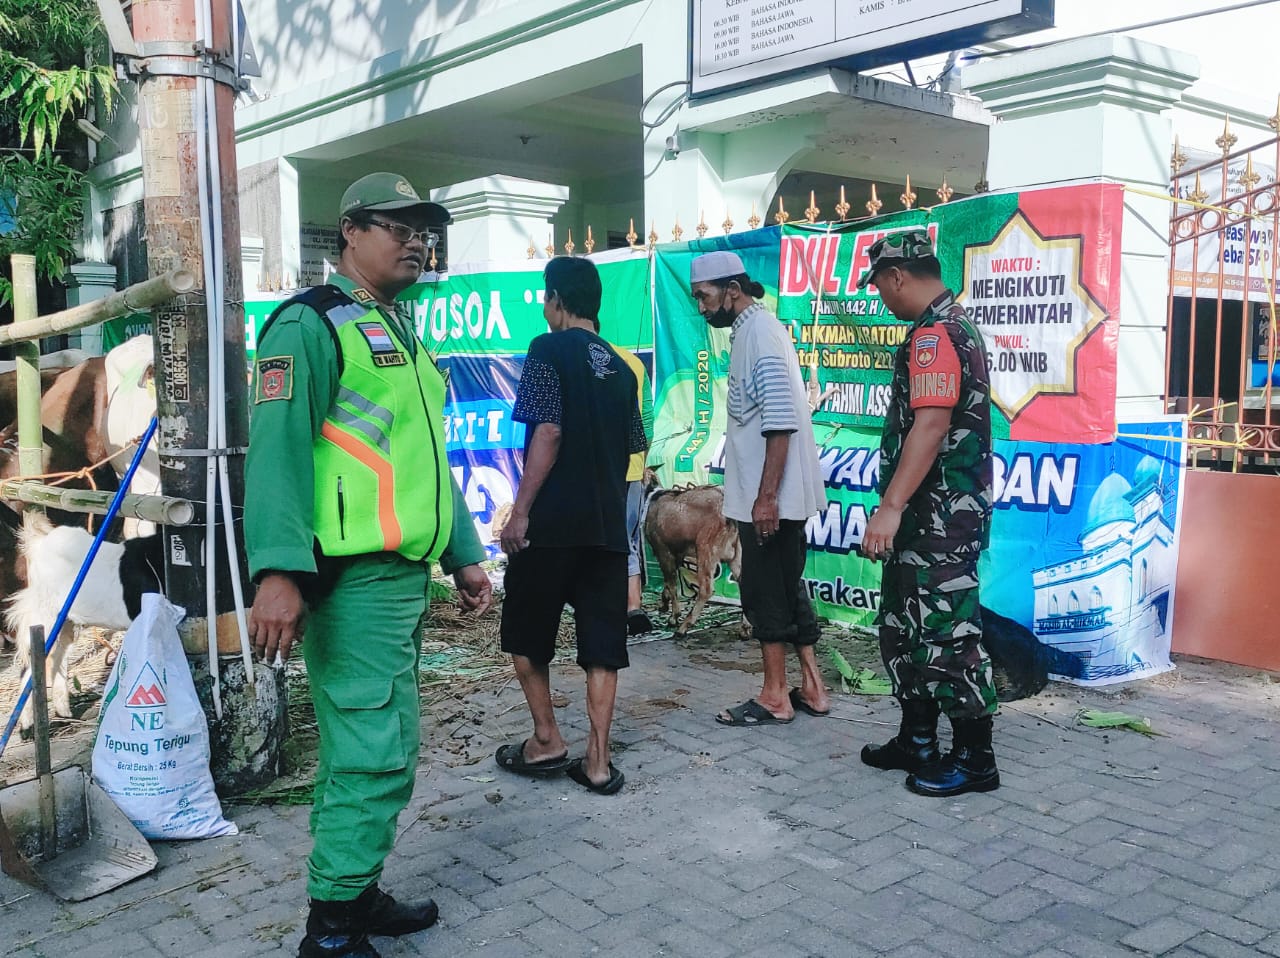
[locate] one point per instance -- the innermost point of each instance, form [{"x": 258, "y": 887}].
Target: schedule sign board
[{"x": 736, "y": 42}]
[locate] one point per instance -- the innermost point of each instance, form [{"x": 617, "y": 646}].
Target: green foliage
[
  {"x": 859, "y": 681},
  {"x": 48, "y": 213},
  {"x": 1093, "y": 718},
  {"x": 42, "y": 100},
  {"x": 47, "y": 49},
  {"x": 842, "y": 665},
  {"x": 441, "y": 592},
  {"x": 51, "y": 68}
]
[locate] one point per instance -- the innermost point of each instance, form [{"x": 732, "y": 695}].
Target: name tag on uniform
[{"x": 381, "y": 345}]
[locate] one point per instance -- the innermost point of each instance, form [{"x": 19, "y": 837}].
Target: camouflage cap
[
  {"x": 389, "y": 192},
  {"x": 896, "y": 249}
]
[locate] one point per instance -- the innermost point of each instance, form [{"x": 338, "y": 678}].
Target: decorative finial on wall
[
  {"x": 811, "y": 211},
  {"x": 1249, "y": 179},
  {"x": 1228, "y": 139},
  {"x": 873, "y": 205},
  {"x": 908, "y": 196},
  {"x": 843, "y": 207},
  {"x": 1178, "y": 159},
  {"x": 1198, "y": 195}
]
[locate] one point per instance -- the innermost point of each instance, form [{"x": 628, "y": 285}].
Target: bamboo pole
[
  {"x": 129, "y": 300},
  {"x": 164, "y": 510},
  {"x": 27, "y": 355}
]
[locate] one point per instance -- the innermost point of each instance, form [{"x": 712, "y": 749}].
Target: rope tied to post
[{"x": 85, "y": 473}]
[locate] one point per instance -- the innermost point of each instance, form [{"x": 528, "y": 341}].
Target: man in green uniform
[
  {"x": 932, "y": 523},
  {"x": 349, "y": 498}
]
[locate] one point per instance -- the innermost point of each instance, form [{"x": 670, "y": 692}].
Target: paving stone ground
[{"x": 771, "y": 841}]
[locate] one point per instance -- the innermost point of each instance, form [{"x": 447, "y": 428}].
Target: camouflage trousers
[{"x": 931, "y": 634}]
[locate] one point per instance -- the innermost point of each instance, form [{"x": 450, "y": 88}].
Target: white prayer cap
[{"x": 720, "y": 264}]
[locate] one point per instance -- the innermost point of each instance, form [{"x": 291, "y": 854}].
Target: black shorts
[
  {"x": 774, "y": 599},
  {"x": 540, "y": 582}
]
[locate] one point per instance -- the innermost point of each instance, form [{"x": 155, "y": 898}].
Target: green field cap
[
  {"x": 389, "y": 192},
  {"x": 896, "y": 249}
]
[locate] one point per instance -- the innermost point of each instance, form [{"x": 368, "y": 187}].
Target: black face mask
[{"x": 723, "y": 317}]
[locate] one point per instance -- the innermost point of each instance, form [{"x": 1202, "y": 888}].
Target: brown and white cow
[{"x": 87, "y": 413}]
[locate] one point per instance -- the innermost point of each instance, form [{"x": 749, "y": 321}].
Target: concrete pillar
[
  {"x": 85, "y": 283},
  {"x": 495, "y": 217},
  {"x": 251, "y": 263},
  {"x": 290, "y": 226},
  {"x": 269, "y": 218},
  {"x": 1089, "y": 109}
]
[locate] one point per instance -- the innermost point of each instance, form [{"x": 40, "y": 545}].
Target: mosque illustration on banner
[{"x": 1109, "y": 608}]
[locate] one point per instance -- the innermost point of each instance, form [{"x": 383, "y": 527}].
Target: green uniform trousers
[
  {"x": 931, "y": 635},
  {"x": 361, "y": 647}
]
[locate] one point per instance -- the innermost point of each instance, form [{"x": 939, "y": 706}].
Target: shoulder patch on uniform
[
  {"x": 926, "y": 347},
  {"x": 275, "y": 378}
]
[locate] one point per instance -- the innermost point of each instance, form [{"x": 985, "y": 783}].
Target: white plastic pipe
[
  {"x": 217, "y": 371},
  {"x": 211, "y": 298}
]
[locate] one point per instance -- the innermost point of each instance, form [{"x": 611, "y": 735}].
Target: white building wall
[{"x": 301, "y": 42}]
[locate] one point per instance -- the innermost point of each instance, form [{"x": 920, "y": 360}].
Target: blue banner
[{"x": 1084, "y": 548}]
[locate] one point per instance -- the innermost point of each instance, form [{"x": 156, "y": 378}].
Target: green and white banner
[{"x": 1039, "y": 273}]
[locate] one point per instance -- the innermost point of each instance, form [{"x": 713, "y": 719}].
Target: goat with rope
[{"x": 683, "y": 524}]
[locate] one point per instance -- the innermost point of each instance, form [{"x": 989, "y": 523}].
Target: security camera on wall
[{"x": 673, "y": 145}]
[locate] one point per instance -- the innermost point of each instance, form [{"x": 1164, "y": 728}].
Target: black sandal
[
  {"x": 511, "y": 757},
  {"x": 800, "y": 705},
  {"x": 579, "y": 774},
  {"x": 751, "y": 713}
]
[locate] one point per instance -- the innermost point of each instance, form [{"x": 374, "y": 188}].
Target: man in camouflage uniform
[{"x": 932, "y": 523}]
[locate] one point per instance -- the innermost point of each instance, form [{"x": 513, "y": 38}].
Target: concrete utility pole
[{"x": 188, "y": 139}]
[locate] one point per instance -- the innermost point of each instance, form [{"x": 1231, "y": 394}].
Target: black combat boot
[
  {"x": 970, "y": 766},
  {"x": 915, "y": 745},
  {"x": 383, "y": 915},
  {"x": 336, "y": 929}
]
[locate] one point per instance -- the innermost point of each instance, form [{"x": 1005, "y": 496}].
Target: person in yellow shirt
[{"x": 637, "y": 621}]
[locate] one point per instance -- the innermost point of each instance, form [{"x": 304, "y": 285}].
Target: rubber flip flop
[
  {"x": 511, "y": 757},
  {"x": 579, "y": 775},
  {"x": 638, "y": 623},
  {"x": 800, "y": 705},
  {"x": 752, "y": 713}
]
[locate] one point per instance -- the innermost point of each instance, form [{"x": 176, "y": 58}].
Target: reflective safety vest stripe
[
  {"x": 381, "y": 471},
  {"x": 392, "y": 534}
]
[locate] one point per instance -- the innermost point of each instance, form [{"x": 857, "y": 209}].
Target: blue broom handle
[{"x": 80, "y": 577}]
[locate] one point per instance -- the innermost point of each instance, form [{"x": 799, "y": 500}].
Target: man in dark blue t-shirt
[{"x": 567, "y": 537}]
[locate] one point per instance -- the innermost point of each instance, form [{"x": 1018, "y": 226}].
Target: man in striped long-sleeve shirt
[{"x": 772, "y": 485}]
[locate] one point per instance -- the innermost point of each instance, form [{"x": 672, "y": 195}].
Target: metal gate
[{"x": 1220, "y": 357}]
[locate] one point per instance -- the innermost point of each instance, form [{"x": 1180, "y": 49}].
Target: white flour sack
[{"x": 152, "y": 752}]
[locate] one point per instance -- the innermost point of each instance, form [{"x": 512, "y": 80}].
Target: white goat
[{"x": 110, "y": 597}]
